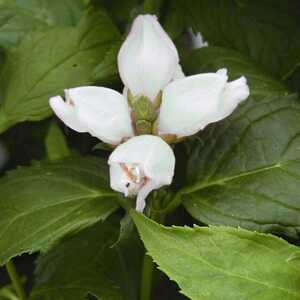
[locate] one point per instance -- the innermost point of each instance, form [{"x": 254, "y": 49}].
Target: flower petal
[
  {"x": 178, "y": 73},
  {"x": 189, "y": 104},
  {"x": 66, "y": 112},
  {"x": 152, "y": 160},
  {"x": 235, "y": 92},
  {"x": 143, "y": 193},
  {"x": 104, "y": 112},
  {"x": 148, "y": 58},
  {"x": 151, "y": 152}
]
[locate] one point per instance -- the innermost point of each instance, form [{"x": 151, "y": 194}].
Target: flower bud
[
  {"x": 102, "y": 112},
  {"x": 190, "y": 104},
  {"x": 140, "y": 165},
  {"x": 148, "y": 59}
]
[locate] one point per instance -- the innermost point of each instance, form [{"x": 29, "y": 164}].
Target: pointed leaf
[
  {"x": 43, "y": 203},
  {"x": 223, "y": 263}
]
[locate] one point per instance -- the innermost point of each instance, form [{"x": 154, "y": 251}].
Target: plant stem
[
  {"x": 146, "y": 283},
  {"x": 16, "y": 281}
]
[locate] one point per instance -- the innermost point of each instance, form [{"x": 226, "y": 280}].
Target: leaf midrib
[
  {"x": 197, "y": 258},
  {"x": 223, "y": 181}
]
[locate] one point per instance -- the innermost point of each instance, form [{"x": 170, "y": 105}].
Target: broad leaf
[
  {"x": 211, "y": 59},
  {"x": 106, "y": 269},
  {"x": 50, "y": 61},
  {"x": 223, "y": 263},
  {"x": 41, "y": 204},
  {"x": 267, "y": 31},
  {"x": 77, "y": 267},
  {"x": 20, "y": 17},
  {"x": 245, "y": 170}
]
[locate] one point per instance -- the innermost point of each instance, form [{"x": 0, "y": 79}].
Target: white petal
[
  {"x": 152, "y": 153},
  {"x": 152, "y": 158},
  {"x": 148, "y": 58},
  {"x": 197, "y": 39},
  {"x": 189, "y": 104},
  {"x": 235, "y": 92},
  {"x": 105, "y": 113},
  {"x": 118, "y": 179},
  {"x": 143, "y": 193},
  {"x": 66, "y": 112},
  {"x": 178, "y": 73}
]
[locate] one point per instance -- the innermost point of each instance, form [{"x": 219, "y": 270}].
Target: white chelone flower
[
  {"x": 140, "y": 165},
  {"x": 148, "y": 59},
  {"x": 102, "y": 112},
  {"x": 162, "y": 101},
  {"x": 197, "y": 39},
  {"x": 190, "y": 104}
]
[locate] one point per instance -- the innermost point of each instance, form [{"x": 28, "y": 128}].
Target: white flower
[
  {"x": 102, "y": 112},
  {"x": 190, "y": 104},
  {"x": 148, "y": 59},
  {"x": 162, "y": 101},
  {"x": 140, "y": 165},
  {"x": 197, "y": 39}
]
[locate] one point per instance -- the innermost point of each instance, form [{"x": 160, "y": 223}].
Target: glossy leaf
[
  {"x": 245, "y": 171},
  {"x": 18, "y": 18},
  {"x": 50, "y": 61},
  {"x": 268, "y": 31},
  {"x": 63, "y": 275},
  {"x": 106, "y": 269},
  {"x": 211, "y": 59},
  {"x": 223, "y": 263},
  {"x": 43, "y": 203}
]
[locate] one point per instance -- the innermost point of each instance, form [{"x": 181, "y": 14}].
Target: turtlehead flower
[
  {"x": 140, "y": 165},
  {"x": 190, "y": 104},
  {"x": 102, "y": 112},
  {"x": 157, "y": 100},
  {"x": 197, "y": 39},
  {"x": 148, "y": 59}
]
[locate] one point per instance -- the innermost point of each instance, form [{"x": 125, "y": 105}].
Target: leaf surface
[
  {"x": 43, "y": 203},
  {"x": 222, "y": 262}
]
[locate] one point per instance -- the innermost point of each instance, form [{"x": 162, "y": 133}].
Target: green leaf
[
  {"x": 267, "y": 31},
  {"x": 18, "y": 18},
  {"x": 55, "y": 143},
  {"x": 77, "y": 267},
  {"x": 222, "y": 262},
  {"x": 108, "y": 69},
  {"x": 105, "y": 269},
  {"x": 47, "y": 62},
  {"x": 245, "y": 170},
  {"x": 210, "y": 59},
  {"x": 126, "y": 271},
  {"x": 43, "y": 203}
]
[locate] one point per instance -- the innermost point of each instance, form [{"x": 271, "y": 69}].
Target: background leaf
[
  {"x": 106, "y": 270},
  {"x": 47, "y": 62},
  {"x": 222, "y": 262},
  {"x": 211, "y": 59},
  {"x": 267, "y": 31},
  {"x": 43, "y": 203},
  {"x": 62, "y": 275},
  {"x": 245, "y": 171},
  {"x": 18, "y": 18}
]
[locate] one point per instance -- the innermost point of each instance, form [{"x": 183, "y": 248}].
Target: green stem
[
  {"x": 16, "y": 281},
  {"x": 146, "y": 284}
]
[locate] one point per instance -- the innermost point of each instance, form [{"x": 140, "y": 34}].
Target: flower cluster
[{"x": 159, "y": 105}]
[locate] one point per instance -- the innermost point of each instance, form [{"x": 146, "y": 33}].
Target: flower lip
[
  {"x": 140, "y": 165},
  {"x": 190, "y": 104},
  {"x": 102, "y": 112}
]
